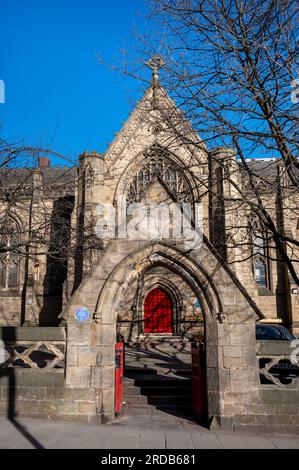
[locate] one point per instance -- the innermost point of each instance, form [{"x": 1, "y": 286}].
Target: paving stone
[
  {"x": 152, "y": 439},
  {"x": 283, "y": 442},
  {"x": 68, "y": 442},
  {"x": 205, "y": 441},
  {"x": 259, "y": 442},
  {"x": 179, "y": 439},
  {"x": 124, "y": 440},
  {"x": 231, "y": 441},
  {"x": 161, "y": 416},
  {"x": 129, "y": 433}
]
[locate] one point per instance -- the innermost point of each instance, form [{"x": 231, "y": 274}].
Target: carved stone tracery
[{"x": 158, "y": 166}]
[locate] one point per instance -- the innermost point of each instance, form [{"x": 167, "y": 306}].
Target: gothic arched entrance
[{"x": 158, "y": 312}]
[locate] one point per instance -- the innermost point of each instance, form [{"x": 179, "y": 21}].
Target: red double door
[{"x": 157, "y": 312}]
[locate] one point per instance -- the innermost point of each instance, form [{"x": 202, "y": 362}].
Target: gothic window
[
  {"x": 9, "y": 257},
  {"x": 260, "y": 272},
  {"x": 158, "y": 166},
  {"x": 259, "y": 247}
]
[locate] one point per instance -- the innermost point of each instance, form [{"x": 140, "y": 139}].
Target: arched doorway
[{"x": 158, "y": 312}]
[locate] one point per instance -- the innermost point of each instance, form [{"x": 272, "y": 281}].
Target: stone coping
[
  {"x": 274, "y": 348},
  {"x": 32, "y": 333}
]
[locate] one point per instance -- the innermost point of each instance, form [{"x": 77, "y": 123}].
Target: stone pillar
[
  {"x": 237, "y": 376},
  {"x": 217, "y": 161},
  {"x": 90, "y": 180},
  {"x": 103, "y": 374}
]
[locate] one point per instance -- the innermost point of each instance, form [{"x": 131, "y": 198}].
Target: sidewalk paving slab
[
  {"x": 284, "y": 442},
  {"x": 259, "y": 442},
  {"x": 127, "y": 433}
]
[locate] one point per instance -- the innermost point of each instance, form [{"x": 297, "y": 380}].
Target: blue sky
[{"x": 58, "y": 96}]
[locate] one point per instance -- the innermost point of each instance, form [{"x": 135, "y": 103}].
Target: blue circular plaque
[{"x": 82, "y": 314}]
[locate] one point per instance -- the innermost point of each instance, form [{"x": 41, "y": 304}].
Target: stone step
[
  {"x": 165, "y": 408},
  {"x": 147, "y": 371},
  {"x": 131, "y": 389},
  {"x": 135, "y": 399},
  {"x": 172, "y": 400},
  {"x": 159, "y": 336},
  {"x": 153, "y": 366},
  {"x": 164, "y": 381},
  {"x": 159, "y": 402},
  {"x": 154, "y": 381},
  {"x": 155, "y": 339},
  {"x": 146, "y": 406},
  {"x": 157, "y": 392}
]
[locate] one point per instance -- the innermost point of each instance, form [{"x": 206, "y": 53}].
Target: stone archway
[{"x": 229, "y": 320}]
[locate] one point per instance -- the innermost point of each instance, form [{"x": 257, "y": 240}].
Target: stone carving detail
[
  {"x": 141, "y": 265},
  {"x": 36, "y": 356},
  {"x": 157, "y": 165}
]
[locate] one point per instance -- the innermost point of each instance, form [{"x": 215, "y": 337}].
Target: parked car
[
  {"x": 284, "y": 370},
  {"x": 269, "y": 332}
]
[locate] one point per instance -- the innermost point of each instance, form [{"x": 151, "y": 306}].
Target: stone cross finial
[{"x": 155, "y": 63}]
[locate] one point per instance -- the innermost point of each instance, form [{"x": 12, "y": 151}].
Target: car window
[
  {"x": 263, "y": 333},
  {"x": 285, "y": 334}
]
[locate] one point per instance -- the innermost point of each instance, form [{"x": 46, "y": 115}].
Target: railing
[{"x": 33, "y": 347}]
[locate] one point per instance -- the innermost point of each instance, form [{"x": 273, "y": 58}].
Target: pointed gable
[{"x": 150, "y": 123}]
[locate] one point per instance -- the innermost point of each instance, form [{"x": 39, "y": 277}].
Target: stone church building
[{"x": 103, "y": 240}]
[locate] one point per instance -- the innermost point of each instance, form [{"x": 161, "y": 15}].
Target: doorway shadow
[{"x": 163, "y": 378}]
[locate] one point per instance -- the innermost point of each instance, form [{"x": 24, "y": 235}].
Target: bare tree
[
  {"x": 39, "y": 226},
  {"x": 230, "y": 66}
]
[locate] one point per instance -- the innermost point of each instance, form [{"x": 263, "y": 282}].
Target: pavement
[{"x": 138, "y": 429}]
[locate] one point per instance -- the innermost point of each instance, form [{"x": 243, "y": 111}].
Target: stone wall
[
  {"x": 275, "y": 410},
  {"x": 276, "y": 407},
  {"x": 36, "y": 390},
  {"x": 43, "y": 395},
  {"x": 236, "y": 400},
  {"x": 10, "y": 307}
]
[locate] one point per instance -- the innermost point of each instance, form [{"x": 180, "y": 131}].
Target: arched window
[
  {"x": 260, "y": 273},
  {"x": 159, "y": 165},
  {"x": 9, "y": 253},
  {"x": 259, "y": 248}
]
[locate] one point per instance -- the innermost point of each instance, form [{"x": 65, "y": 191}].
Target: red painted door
[
  {"x": 119, "y": 373},
  {"x": 157, "y": 312}
]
